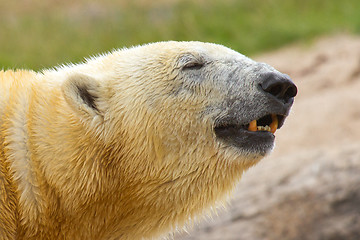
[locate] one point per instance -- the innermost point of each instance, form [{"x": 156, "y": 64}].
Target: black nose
[{"x": 278, "y": 85}]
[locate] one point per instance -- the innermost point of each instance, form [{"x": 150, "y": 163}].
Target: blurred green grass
[{"x": 37, "y": 35}]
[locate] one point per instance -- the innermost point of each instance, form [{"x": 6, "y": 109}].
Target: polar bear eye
[{"x": 193, "y": 65}]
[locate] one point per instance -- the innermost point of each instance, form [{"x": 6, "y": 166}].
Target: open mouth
[
  {"x": 267, "y": 123},
  {"x": 257, "y": 135}
]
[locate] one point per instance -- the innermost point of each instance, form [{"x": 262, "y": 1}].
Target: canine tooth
[
  {"x": 274, "y": 124},
  {"x": 253, "y": 126}
]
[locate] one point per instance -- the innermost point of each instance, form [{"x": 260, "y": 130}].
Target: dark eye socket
[{"x": 193, "y": 66}]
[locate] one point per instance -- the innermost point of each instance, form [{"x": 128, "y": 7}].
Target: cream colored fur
[{"x": 140, "y": 162}]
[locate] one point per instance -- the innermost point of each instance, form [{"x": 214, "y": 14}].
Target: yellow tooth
[
  {"x": 274, "y": 124},
  {"x": 253, "y": 126}
]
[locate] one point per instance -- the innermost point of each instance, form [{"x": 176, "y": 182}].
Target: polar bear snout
[
  {"x": 279, "y": 86},
  {"x": 250, "y": 122}
]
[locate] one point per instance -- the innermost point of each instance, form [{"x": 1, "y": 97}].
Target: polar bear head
[{"x": 178, "y": 121}]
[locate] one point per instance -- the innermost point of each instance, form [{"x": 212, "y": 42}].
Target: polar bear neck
[{"x": 34, "y": 155}]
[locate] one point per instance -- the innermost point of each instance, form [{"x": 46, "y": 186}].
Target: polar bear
[{"x": 134, "y": 143}]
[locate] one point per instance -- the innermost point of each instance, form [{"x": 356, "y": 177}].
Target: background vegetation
[{"x": 38, "y": 34}]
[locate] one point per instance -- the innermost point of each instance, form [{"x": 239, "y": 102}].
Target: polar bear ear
[{"x": 82, "y": 93}]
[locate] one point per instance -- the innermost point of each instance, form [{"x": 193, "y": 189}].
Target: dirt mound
[{"x": 309, "y": 187}]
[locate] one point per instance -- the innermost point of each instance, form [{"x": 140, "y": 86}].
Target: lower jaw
[{"x": 255, "y": 144}]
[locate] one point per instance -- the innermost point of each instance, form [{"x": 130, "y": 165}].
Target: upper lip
[{"x": 273, "y": 115}]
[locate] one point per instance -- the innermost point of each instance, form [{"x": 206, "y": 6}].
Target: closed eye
[{"x": 193, "y": 66}]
